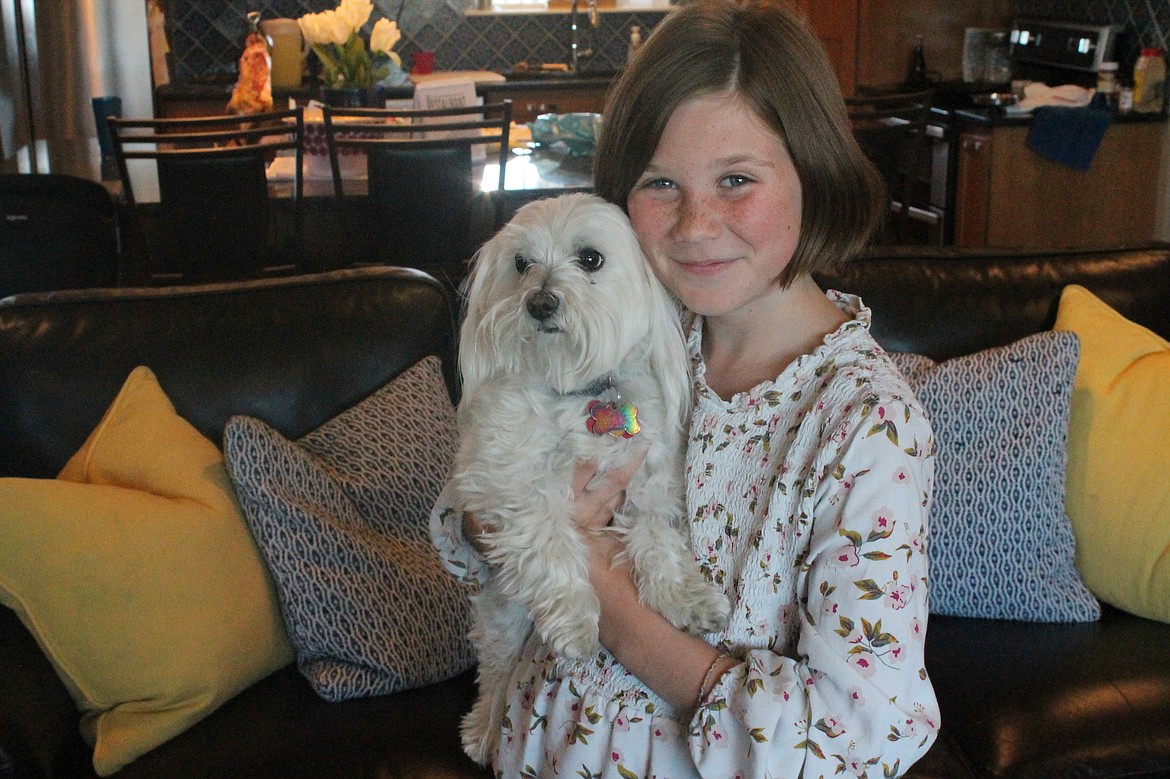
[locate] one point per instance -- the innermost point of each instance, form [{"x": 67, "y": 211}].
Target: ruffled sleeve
[
  {"x": 457, "y": 554},
  {"x": 854, "y": 698}
]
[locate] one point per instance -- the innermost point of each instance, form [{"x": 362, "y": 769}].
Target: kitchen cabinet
[
  {"x": 972, "y": 188},
  {"x": 836, "y": 24},
  {"x": 1007, "y": 196},
  {"x": 530, "y": 99}
]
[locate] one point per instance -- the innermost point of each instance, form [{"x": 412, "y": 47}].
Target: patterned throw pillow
[
  {"x": 1001, "y": 544},
  {"x": 341, "y": 518}
]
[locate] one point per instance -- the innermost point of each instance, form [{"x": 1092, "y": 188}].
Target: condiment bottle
[
  {"x": 1149, "y": 80},
  {"x": 916, "y": 66},
  {"x": 1107, "y": 84}
]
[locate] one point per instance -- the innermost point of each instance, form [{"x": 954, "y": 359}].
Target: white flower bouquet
[{"x": 346, "y": 59}]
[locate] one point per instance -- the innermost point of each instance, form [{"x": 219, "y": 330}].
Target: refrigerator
[{"x": 55, "y": 56}]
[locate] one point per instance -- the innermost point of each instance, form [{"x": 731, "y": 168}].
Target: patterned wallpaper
[{"x": 206, "y": 35}]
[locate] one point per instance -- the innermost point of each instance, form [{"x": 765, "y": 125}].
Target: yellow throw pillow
[
  {"x": 1117, "y": 493},
  {"x": 137, "y": 575}
]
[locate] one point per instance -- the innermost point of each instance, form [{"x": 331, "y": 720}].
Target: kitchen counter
[
  {"x": 998, "y": 117},
  {"x": 532, "y": 91}
]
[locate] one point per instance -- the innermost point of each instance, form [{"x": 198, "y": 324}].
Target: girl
[{"x": 809, "y": 464}]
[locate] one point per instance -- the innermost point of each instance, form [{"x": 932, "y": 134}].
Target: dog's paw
[
  {"x": 576, "y": 644},
  {"x": 477, "y": 737},
  {"x": 709, "y": 612},
  {"x": 698, "y": 607}
]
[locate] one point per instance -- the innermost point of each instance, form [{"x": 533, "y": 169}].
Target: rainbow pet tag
[{"x": 618, "y": 419}]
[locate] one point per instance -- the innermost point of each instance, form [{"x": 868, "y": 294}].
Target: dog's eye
[
  {"x": 523, "y": 263},
  {"x": 590, "y": 259}
]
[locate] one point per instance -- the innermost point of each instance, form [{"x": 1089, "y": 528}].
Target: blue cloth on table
[{"x": 1069, "y": 136}]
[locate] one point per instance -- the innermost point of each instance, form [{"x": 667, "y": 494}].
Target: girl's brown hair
[{"x": 775, "y": 62}]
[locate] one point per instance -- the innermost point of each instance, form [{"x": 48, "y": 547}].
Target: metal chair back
[
  {"x": 422, "y": 204},
  {"x": 216, "y": 219}
]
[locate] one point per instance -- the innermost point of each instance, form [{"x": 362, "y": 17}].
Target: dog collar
[
  {"x": 596, "y": 388},
  {"x": 614, "y": 417}
]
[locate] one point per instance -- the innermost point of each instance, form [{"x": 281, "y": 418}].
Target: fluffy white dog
[{"x": 570, "y": 350}]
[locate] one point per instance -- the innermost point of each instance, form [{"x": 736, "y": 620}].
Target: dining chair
[
  {"x": 424, "y": 203},
  {"x": 216, "y": 219},
  {"x": 56, "y": 232},
  {"x": 891, "y": 131}
]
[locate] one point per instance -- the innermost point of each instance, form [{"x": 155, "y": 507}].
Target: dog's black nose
[{"x": 541, "y": 305}]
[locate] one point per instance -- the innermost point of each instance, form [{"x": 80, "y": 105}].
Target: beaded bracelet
[{"x": 708, "y": 680}]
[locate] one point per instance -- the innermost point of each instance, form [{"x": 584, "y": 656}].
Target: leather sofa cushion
[
  {"x": 1026, "y": 699},
  {"x": 291, "y": 353},
  {"x": 946, "y": 302}
]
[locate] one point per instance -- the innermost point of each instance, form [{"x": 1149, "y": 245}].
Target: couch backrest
[
  {"x": 945, "y": 302},
  {"x": 293, "y": 352}
]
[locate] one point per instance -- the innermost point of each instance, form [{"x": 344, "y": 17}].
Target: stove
[{"x": 1051, "y": 51}]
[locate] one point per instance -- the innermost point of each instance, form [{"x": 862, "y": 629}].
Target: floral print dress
[{"x": 808, "y": 498}]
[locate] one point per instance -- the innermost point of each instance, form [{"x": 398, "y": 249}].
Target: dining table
[
  {"x": 336, "y": 231},
  {"x": 533, "y": 171}
]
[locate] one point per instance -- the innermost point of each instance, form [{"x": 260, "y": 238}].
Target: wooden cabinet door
[
  {"x": 972, "y": 188},
  {"x": 835, "y": 22}
]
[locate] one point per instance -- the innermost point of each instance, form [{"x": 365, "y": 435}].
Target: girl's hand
[
  {"x": 595, "y": 500},
  {"x": 473, "y": 531}
]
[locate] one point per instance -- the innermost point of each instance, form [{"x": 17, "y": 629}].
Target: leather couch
[{"x": 1018, "y": 699}]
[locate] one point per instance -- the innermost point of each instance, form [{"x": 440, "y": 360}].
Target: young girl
[{"x": 809, "y": 464}]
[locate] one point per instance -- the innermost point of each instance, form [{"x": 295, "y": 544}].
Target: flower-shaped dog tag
[{"x": 617, "y": 419}]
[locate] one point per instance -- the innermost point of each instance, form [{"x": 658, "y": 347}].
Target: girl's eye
[
  {"x": 523, "y": 263},
  {"x": 736, "y": 180},
  {"x": 590, "y": 259},
  {"x": 656, "y": 184}
]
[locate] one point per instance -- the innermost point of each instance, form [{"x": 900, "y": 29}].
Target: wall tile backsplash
[{"x": 206, "y": 37}]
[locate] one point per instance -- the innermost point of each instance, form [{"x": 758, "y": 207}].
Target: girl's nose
[{"x": 697, "y": 219}]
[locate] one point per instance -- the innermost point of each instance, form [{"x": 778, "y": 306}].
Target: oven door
[{"x": 929, "y": 206}]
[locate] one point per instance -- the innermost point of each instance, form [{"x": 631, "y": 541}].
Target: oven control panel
[{"x": 1080, "y": 47}]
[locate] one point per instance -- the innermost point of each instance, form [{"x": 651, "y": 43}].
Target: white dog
[{"x": 570, "y": 350}]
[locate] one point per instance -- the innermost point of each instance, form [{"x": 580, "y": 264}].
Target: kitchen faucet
[{"x": 575, "y": 50}]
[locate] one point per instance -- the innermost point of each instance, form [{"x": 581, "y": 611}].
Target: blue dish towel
[{"x": 1069, "y": 136}]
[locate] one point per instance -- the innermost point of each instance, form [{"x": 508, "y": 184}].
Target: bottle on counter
[
  {"x": 635, "y": 41},
  {"x": 1149, "y": 81},
  {"x": 1125, "y": 100},
  {"x": 1107, "y": 86},
  {"x": 916, "y": 66}
]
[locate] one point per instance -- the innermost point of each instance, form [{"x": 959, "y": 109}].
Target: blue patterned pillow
[
  {"x": 1001, "y": 545},
  {"x": 341, "y": 519}
]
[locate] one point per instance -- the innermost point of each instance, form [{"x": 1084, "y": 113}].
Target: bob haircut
[{"x": 774, "y": 61}]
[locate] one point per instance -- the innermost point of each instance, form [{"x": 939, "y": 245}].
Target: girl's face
[{"x": 717, "y": 210}]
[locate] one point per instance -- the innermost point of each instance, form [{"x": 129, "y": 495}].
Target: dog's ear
[
  {"x": 668, "y": 353},
  {"x": 473, "y": 367},
  {"x": 666, "y": 350}
]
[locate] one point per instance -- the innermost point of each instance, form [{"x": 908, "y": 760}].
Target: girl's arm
[
  {"x": 854, "y": 696},
  {"x": 459, "y": 554},
  {"x": 636, "y": 636}
]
